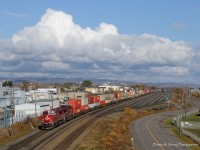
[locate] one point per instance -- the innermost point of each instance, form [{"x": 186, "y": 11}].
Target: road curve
[{"x": 151, "y": 133}]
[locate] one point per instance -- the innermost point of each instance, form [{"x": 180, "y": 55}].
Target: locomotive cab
[{"x": 48, "y": 119}]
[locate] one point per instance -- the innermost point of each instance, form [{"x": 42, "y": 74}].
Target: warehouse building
[{"x": 11, "y": 96}]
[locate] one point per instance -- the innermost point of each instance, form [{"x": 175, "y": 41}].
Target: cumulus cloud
[
  {"x": 56, "y": 42},
  {"x": 107, "y": 29}
]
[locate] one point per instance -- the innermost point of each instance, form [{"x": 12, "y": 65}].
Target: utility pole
[
  {"x": 52, "y": 98},
  {"x": 183, "y": 103},
  {"x": 35, "y": 103},
  {"x": 186, "y": 101},
  {"x": 5, "y": 116},
  {"x": 168, "y": 106},
  {"x": 181, "y": 112},
  {"x": 12, "y": 103}
]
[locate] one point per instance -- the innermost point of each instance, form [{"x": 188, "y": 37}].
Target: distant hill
[{"x": 96, "y": 81}]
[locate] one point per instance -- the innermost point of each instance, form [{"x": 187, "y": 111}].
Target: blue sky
[
  {"x": 130, "y": 16},
  {"x": 168, "y": 32}
]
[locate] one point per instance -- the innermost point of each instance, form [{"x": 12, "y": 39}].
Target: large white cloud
[{"x": 56, "y": 41}]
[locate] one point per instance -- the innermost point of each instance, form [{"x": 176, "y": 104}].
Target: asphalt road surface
[{"x": 151, "y": 133}]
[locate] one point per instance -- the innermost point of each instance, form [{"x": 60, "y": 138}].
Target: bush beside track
[{"x": 18, "y": 130}]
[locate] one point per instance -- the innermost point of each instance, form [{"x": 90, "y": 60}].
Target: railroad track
[
  {"x": 151, "y": 99},
  {"x": 73, "y": 128}
]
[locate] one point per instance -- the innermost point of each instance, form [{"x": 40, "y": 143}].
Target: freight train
[{"x": 75, "y": 107}]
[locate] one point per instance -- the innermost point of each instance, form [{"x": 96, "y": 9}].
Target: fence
[
  {"x": 5, "y": 118},
  {"x": 10, "y": 121},
  {"x": 176, "y": 120},
  {"x": 190, "y": 125}
]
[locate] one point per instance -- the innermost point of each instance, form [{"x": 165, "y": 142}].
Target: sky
[{"x": 131, "y": 40}]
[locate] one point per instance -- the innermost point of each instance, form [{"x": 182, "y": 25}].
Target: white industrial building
[
  {"x": 38, "y": 101},
  {"x": 14, "y": 96},
  {"x": 94, "y": 90},
  {"x": 24, "y": 111},
  {"x": 49, "y": 102},
  {"x": 110, "y": 87},
  {"x": 72, "y": 95},
  {"x": 53, "y": 90},
  {"x": 40, "y": 94}
]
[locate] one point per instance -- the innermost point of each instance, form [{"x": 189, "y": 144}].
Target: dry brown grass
[
  {"x": 112, "y": 133},
  {"x": 17, "y": 130}
]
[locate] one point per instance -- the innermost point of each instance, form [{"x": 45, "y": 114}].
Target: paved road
[{"x": 151, "y": 133}]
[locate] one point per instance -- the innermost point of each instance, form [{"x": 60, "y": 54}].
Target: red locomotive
[{"x": 54, "y": 117}]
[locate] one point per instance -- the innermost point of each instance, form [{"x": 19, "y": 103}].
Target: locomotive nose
[{"x": 46, "y": 119}]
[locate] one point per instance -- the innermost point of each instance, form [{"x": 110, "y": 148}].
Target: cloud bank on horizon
[{"x": 58, "y": 47}]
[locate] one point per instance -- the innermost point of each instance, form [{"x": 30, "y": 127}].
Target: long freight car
[{"x": 75, "y": 107}]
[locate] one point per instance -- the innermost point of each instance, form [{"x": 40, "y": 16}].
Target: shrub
[{"x": 17, "y": 130}]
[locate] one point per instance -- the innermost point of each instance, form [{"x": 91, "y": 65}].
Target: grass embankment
[
  {"x": 113, "y": 132},
  {"x": 17, "y": 130},
  {"x": 194, "y": 131},
  {"x": 183, "y": 137},
  {"x": 194, "y": 117}
]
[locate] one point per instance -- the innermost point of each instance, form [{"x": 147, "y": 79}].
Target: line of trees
[{"x": 7, "y": 84}]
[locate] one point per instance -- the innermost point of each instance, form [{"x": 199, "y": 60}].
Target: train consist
[{"x": 75, "y": 107}]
